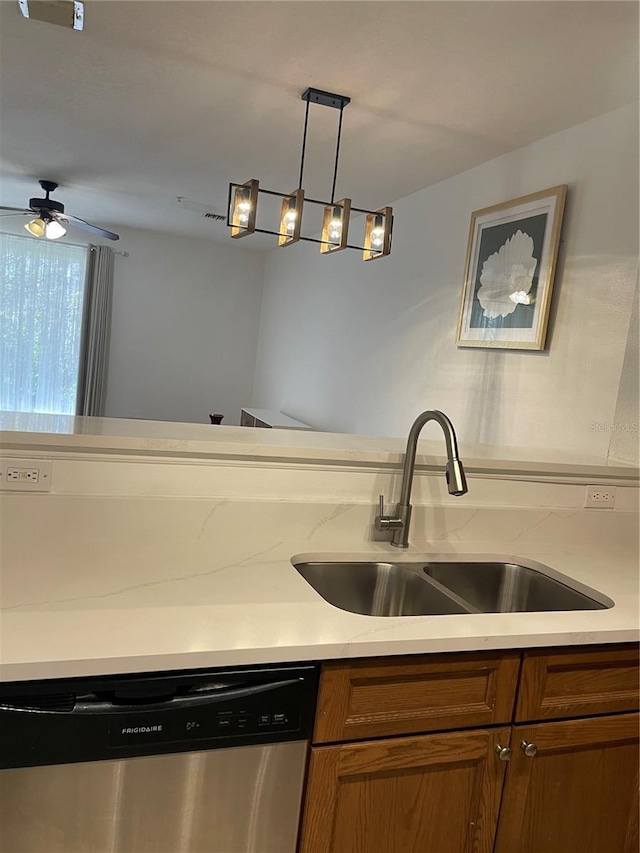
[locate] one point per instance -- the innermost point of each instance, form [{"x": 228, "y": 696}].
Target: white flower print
[{"x": 509, "y": 270}]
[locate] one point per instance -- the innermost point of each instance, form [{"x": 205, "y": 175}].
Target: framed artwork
[{"x": 511, "y": 261}]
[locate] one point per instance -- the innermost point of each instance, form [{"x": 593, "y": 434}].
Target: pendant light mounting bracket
[{"x": 326, "y": 99}]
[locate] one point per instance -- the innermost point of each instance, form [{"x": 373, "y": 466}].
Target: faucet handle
[{"x": 387, "y": 522}]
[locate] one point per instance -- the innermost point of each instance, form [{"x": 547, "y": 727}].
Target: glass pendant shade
[
  {"x": 291, "y": 218},
  {"x": 377, "y": 234},
  {"x": 36, "y": 227},
  {"x": 243, "y": 208},
  {"x": 53, "y": 230},
  {"x": 335, "y": 226}
]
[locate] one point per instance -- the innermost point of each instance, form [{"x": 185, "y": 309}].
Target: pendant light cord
[
  {"x": 304, "y": 144},
  {"x": 335, "y": 167}
]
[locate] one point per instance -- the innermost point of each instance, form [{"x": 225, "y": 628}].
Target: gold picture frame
[{"x": 509, "y": 272}]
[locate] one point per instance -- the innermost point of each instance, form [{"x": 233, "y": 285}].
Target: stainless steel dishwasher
[{"x": 194, "y": 762}]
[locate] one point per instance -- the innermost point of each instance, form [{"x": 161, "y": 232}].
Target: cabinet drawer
[
  {"x": 568, "y": 683},
  {"x": 363, "y": 699}
]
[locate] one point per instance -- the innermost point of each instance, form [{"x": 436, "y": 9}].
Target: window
[{"x": 41, "y": 298}]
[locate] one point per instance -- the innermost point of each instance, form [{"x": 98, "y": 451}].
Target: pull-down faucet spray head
[{"x": 456, "y": 480}]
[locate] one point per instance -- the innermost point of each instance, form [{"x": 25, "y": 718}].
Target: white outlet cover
[
  {"x": 600, "y": 497},
  {"x": 44, "y": 467}
]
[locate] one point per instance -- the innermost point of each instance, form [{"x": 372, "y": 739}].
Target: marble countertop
[
  {"x": 214, "y": 611},
  {"x": 112, "y": 585},
  {"x": 40, "y": 432}
]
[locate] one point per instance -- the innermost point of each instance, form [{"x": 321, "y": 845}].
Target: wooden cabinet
[
  {"x": 560, "y": 683},
  {"x": 575, "y": 789},
  {"x": 374, "y": 698},
  {"x": 578, "y": 793},
  {"x": 437, "y": 793}
]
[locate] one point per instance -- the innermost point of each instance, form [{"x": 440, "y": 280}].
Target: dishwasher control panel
[
  {"x": 206, "y": 722},
  {"x": 75, "y": 720}
]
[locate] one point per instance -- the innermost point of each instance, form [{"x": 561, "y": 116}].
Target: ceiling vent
[
  {"x": 63, "y": 13},
  {"x": 204, "y": 210}
]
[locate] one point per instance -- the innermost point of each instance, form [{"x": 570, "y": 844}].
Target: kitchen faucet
[{"x": 454, "y": 473}]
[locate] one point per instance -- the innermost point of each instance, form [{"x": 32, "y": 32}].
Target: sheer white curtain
[{"x": 42, "y": 288}]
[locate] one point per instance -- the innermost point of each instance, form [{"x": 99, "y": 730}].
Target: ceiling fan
[{"x": 50, "y": 217}]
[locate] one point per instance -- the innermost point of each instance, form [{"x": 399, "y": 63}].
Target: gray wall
[
  {"x": 364, "y": 347},
  {"x": 184, "y": 328},
  {"x": 624, "y": 435}
]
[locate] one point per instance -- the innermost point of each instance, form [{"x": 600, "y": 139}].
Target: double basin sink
[{"x": 441, "y": 586}]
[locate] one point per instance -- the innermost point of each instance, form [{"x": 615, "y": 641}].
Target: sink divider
[{"x": 446, "y": 591}]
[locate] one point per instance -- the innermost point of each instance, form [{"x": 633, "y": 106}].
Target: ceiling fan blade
[
  {"x": 86, "y": 226},
  {"x": 15, "y": 210}
]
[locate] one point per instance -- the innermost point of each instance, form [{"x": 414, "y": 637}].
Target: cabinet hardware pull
[
  {"x": 529, "y": 749},
  {"x": 503, "y": 752}
]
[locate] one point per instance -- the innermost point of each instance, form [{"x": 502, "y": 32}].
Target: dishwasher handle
[{"x": 98, "y": 706}]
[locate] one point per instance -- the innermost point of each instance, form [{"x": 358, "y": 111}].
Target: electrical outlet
[
  {"x": 26, "y": 475},
  {"x": 23, "y": 475},
  {"x": 600, "y": 497}
]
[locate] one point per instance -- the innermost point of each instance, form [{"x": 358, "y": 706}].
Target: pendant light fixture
[{"x": 243, "y": 201}]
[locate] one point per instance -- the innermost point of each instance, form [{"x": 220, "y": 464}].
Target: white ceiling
[{"x": 162, "y": 99}]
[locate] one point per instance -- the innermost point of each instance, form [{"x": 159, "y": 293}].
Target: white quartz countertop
[
  {"x": 201, "y": 609},
  {"x": 94, "y": 583},
  {"x": 23, "y": 433}
]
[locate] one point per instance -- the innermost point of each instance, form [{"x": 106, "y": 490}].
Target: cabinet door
[
  {"x": 431, "y": 794},
  {"x": 578, "y": 793}
]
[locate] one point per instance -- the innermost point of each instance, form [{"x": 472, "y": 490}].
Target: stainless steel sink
[
  {"x": 379, "y": 589},
  {"x": 502, "y": 587},
  {"x": 444, "y": 586}
]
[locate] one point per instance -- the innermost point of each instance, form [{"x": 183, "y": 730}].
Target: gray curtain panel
[{"x": 94, "y": 358}]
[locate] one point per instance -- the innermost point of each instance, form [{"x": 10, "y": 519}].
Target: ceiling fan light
[
  {"x": 335, "y": 226},
  {"x": 36, "y": 227},
  {"x": 53, "y": 230},
  {"x": 377, "y": 234}
]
